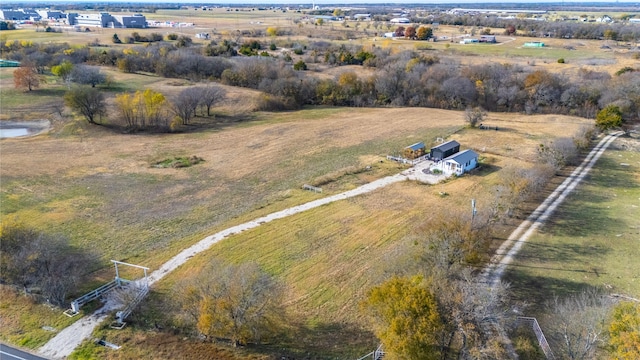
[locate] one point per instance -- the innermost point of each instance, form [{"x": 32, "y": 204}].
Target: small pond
[{"x": 13, "y": 129}]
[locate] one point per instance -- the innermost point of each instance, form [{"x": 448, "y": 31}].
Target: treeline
[
  {"x": 557, "y": 29},
  {"x": 409, "y": 78}
]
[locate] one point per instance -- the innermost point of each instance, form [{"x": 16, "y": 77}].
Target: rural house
[
  {"x": 444, "y": 150},
  {"x": 414, "y": 151},
  {"x": 459, "y": 163}
]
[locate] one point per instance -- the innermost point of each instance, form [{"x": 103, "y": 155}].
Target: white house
[{"x": 459, "y": 163}]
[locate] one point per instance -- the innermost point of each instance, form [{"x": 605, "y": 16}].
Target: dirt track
[
  {"x": 508, "y": 250},
  {"x": 63, "y": 344}
]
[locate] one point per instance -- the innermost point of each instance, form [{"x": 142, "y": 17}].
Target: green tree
[
  {"x": 609, "y": 117},
  {"x": 624, "y": 331},
  {"x": 424, "y": 33},
  {"x": 86, "y": 100},
  {"x": 405, "y": 318},
  {"x": 610, "y": 34},
  {"x": 115, "y": 39},
  {"x": 63, "y": 71}
]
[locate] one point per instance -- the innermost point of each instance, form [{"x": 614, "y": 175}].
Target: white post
[{"x": 117, "y": 275}]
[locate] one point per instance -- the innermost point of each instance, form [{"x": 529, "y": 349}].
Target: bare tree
[
  {"x": 558, "y": 153},
  {"x": 210, "y": 95},
  {"x": 576, "y": 325},
  {"x": 474, "y": 115},
  {"x": 185, "y": 104},
  {"x": 30, "y": 259},
  {"x": 87, "y": 75}
]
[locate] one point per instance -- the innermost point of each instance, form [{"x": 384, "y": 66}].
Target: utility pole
[{"x": 473, "y": 210}]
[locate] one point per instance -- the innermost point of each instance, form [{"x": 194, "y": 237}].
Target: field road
[
  {"x": 505, "y": 254},
  {"x": 63, "y": 344}
]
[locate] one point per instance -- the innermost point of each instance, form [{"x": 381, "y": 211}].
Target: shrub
[
  {"x": 268, "y": 102},
  {"x": 609, "y": 117},
  {"x": 561, "y": 61},
  {"x": 272, "y": 47},
  {"x": 172, "y": 37},
  {"x": 625, "y": 69},
  {"x": 300, "y": 65},
  {"x": 178, "y": 162}
]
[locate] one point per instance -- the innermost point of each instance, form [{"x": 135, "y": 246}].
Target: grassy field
[
  {"x": 592, "y": 239},
  {"x": 94, "y": 186}
]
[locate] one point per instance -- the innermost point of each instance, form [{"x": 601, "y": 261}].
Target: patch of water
[
  {"x": 14, "y": 129},
  {"x": 13, "y": 132}
]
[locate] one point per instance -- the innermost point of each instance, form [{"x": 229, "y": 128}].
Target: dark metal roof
[
  {"x": 463, "y": 156},
  {"x": 416, "y": 146},
  {"x": 446, "y": 146}
]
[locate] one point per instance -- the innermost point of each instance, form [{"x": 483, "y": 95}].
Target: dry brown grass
[{"x": 99, "y": 188}]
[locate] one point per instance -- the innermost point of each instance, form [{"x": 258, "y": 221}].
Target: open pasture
[
  {"x": 592, "y": 240},
  {"x": 99, "y": 189}
]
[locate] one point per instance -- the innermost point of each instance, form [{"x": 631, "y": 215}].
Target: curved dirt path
[
  {"x": 63, "y": 344},
  {"x": 505, "y": 254}
]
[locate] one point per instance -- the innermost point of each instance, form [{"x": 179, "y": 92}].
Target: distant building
[
  {"x": 107, "y": 20},
  {"x": 137, "y": 21},
  {"x": 326, "y": 18},
  {"x": 202, "y": 36},
  {"x": 533, "y": 44},
  {"x": 488, "y": 39},
  {"x": 19, "y": 15},
  {"x": 401, "y": 20},
  {"x": 51, "y": 14},
  {"x": 363, "y": 17}
]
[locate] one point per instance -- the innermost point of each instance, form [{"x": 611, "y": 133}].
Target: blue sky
[{"x": 339, "y": 2}]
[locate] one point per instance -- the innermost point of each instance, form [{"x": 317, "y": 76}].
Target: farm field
[
  {"x": 95, "y": 189},
  {"x": 591, "y": 240}
]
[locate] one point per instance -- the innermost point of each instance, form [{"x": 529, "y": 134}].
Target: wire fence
[{"x": 542, "y": 340}]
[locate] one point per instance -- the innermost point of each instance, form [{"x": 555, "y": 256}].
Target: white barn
[{"x": 459, "y": 163}]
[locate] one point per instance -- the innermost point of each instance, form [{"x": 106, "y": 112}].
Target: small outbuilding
[
  {"x": 444, "y": 150},
  {"x": 488, "y": 39},
  {"x": 415, "y": 151},
  {"x": 460, "y": 163}
]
